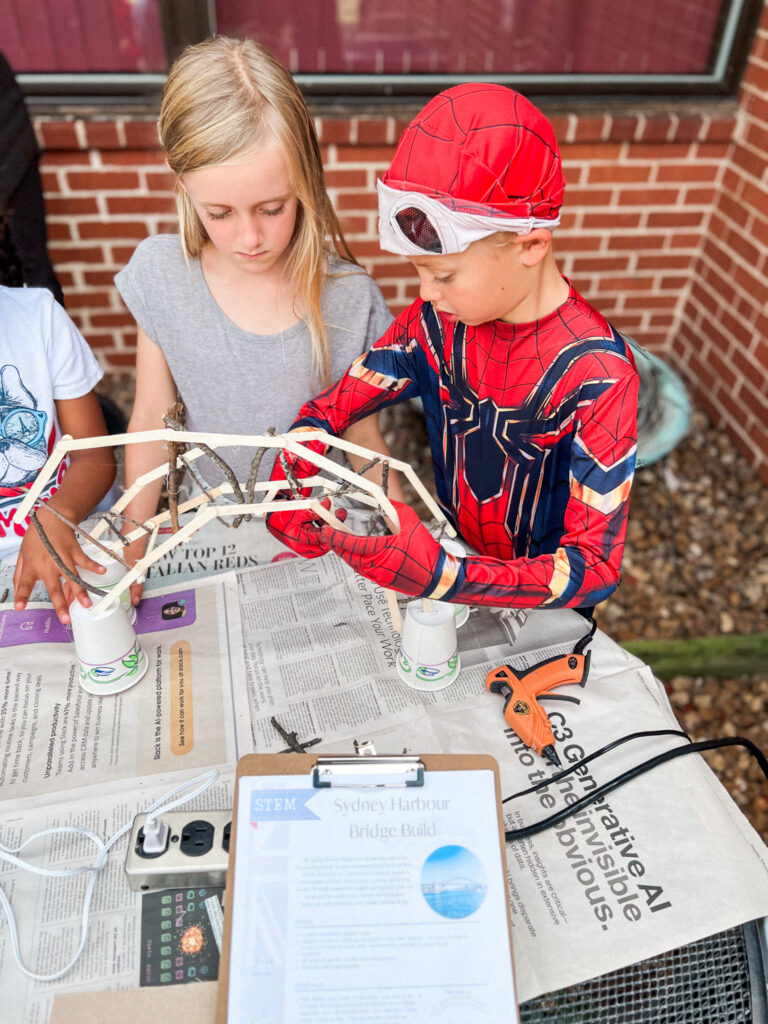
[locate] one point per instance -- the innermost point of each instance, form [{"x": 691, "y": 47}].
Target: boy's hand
[
  {"x": 410, "y": 561},
  {"x": 35, "y": 563},
  {"x": 299, "y": 530}
]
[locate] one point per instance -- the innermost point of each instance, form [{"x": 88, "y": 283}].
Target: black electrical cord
[
  {"x": 653, "y": 762},
  {"x": 595, "y": 754}
]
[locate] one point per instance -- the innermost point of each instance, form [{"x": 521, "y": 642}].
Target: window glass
[
  {"x": 384, "y": 47},
  {"x": 82, "y": 35},
  {"x": 482, "y": 37}
]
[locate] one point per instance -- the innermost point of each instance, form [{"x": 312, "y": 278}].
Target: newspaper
[
  {"x": 180, "y": 715},
  {"x": 72, "y": 759},
  {"x": 215, "y": 548},
  {"x": 623, "y": 879}
]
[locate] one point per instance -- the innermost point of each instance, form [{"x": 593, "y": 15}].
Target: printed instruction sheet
[{"x": 390, "y": 899}]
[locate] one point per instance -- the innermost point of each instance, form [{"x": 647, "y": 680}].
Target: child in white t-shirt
[{"x": 47, "y": 376}]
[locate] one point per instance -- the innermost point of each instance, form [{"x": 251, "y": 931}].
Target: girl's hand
[{"x": 35, "y": 563}]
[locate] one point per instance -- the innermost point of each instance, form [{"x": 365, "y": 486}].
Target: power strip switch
[{"x": 175, "y": 849}]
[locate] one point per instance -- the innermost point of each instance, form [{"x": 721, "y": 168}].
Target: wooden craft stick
[{"x": 394, "y": 610}]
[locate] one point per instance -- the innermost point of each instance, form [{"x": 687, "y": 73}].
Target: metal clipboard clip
[{"x": 368, "y": 772}]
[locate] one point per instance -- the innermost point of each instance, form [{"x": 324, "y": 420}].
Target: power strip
[{"x": 194, "y": 851}]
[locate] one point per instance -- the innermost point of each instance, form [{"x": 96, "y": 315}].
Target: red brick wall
[
  {"x": 645, "y": 197},
  {"x": 721, "y": 342}
]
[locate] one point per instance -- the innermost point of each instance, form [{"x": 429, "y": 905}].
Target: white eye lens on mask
[{"x": 413, "y": 224}]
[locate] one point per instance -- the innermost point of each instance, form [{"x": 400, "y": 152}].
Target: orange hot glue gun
[{"x": 522, "y": 710}]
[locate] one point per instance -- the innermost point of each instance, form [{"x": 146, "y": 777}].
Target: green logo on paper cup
[{"x": 124, "y": 668}]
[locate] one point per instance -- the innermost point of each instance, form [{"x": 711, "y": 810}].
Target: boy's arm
[
  {"x": 155, "y": 395},
  {"x": 382, "y": 376},
  {"x": 583, "y": 570},
  {"x": 86, "y": 481}
]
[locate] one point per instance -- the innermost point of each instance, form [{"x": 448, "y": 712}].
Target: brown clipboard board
[{"x": 303, "y": 764}]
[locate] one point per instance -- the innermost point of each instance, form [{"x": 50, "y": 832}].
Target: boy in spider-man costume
[{"x": 529, "y": 394}]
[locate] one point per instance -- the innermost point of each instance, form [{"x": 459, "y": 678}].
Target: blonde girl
[{"x": 257, "y": 302}]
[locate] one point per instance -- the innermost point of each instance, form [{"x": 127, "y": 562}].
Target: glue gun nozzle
[{"x": 550, "y": 754}]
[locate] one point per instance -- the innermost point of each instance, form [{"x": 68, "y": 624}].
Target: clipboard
[{"x": 449, "y": 875}]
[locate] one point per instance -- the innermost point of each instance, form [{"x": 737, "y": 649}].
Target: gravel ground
[{"x": 695, "y": 565}]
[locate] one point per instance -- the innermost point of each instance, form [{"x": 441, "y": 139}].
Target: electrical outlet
[{"x": 196, "y": 851}]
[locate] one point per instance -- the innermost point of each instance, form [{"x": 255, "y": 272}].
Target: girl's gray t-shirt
[{"x": 232, "y": 381}]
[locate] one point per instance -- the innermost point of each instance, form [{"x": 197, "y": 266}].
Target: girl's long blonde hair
[{"x": 223, "y": 98}]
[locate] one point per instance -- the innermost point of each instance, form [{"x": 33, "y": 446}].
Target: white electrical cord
[{"x": 7, "y": 854}]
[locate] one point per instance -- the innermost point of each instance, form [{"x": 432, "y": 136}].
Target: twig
[
  {"x": 198, "y": 478},
  {"x": 84, "y": 533},
  {"x": 378, "y": 524},
  {"x": 291, "y": 738},
  {"x": 289, "y": 474},
  {"x": 225, "y": 468},
  {"x": 135, "y": 522},
  {"x": 214, "y": 456},
  {"x": 57, "y": 559},
  {"x": 347, "y": 485},
  {"x": 112, "y": 518},
  {"x": 175, "y": 449},
  {"x": 250, "y": 486}
]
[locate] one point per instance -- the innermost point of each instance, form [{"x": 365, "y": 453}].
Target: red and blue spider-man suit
[{"x": 532, "y": 429}]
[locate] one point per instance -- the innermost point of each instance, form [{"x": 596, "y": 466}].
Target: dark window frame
[{"x": 188, "y": 21}]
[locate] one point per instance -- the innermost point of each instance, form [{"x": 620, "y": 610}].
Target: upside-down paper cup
[
  {"x": 108, "y": 652},
  {"x": 428, "y": 658},
  {"x": 107, "y": 580},
  {"x": 461, "y": 611}
]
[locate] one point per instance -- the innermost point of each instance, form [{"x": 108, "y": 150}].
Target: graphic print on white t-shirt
[
  {"x": 22, "y": 431},
  {"x": 24, "y": 448}
]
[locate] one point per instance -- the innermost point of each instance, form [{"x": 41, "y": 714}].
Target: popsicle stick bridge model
[{"x": 232, "y": 500}]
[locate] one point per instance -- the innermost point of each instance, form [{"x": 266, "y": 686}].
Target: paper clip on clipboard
[{"x": 368, "y": 772}]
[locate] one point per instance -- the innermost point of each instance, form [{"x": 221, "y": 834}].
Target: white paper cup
[
  {"x": 106, "y": 581},
  {"x": 428, "y": 658},
  {"x": 108, "y": 651},
  {"x": 461, "y": 611}
]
